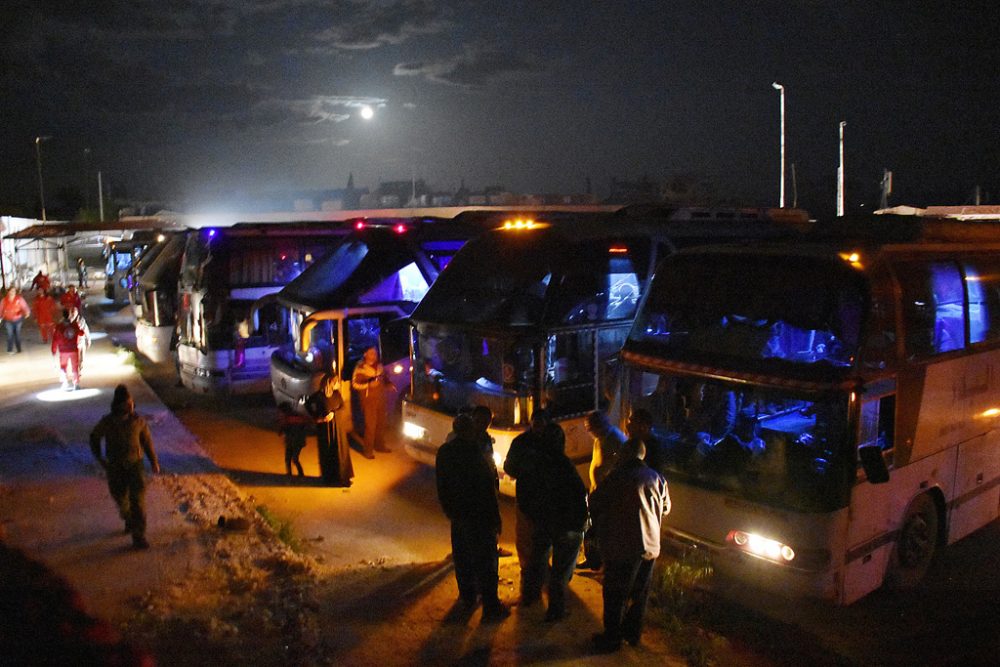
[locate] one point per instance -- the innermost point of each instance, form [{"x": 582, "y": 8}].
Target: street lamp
[
  {"x": 781, "y": 90},
  {"x": 38, "y": 160},
  {"x": 840, "y": 174}
]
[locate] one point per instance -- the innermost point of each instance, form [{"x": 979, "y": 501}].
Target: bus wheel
[{"x": 915, "y": 547}]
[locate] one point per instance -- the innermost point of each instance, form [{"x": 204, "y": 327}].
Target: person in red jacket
[
  {"x": 71, "y": 298},
  {"x": 13, "y": 310},
  {"x": 45, "y": 314},
  {"x": 40, "y": 282},
  {"x": 66, "y": 348}
]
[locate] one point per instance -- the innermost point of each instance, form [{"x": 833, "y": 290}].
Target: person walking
[
  {"x": 467, "y": 491},
  {"x": 627, "y": 509},
  {"x": 71, "y": 298},
  {"x": 76, "y": 316},
  {"x": 66, "y": 348},
  {"x": 41, "y": 282},
  {"x": 44, "y": 307},
  {"x": 555, "y": 499},
  {"x": 127, "y": 439},
  {"x": 370, "y": 384},
  {"x": 294, "y": 428},
  {"x": 521, "y": 463},
  {"x": 13, "y": 310},
  {"x": 326, "y": 406},
  {"x": 608, "y": 440}
]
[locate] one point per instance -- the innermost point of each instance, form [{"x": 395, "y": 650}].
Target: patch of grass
[
  {"x": 676, "y": 596},
  {"x": 282, "y": 528}
]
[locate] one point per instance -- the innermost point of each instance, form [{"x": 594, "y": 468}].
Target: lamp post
[
  {"x": 781, "y": 89},
  {"x": 840, "y": 174},
  {"x": 38, "y": 161}
]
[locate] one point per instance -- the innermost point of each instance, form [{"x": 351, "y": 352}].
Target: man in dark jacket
[
  {"x": 466, "y": 486},
  {"x": 555, "y": 499},
  {"x": 128, "y": 439},
  {"x": 521, "y": 463},
  {"x": 627, "y": 508}
]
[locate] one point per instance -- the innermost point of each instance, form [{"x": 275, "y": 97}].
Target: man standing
[
  {"x": 66, "y": 348},
  {"x": 128, "y": 439},
  {"x": 555, "y": 499},
  {"x": 608, "y": 440},
  {"x": 628, "y": 508},
  {"x": 81, "y": 272},
  {"x": 369, "y": 382},
  {"x": 13, "y": 310},
  {"x": 522, "y": 464},
  {"x": 467, "y": 491}
]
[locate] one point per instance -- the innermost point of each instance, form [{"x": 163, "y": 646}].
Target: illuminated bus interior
[{"x": 772, "y": 446}]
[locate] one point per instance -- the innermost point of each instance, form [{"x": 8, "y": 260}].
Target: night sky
[{"x": 202, "y": 101}]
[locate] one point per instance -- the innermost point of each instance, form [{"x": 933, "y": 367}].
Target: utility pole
[
  {"x": 886, "y": 188},
  {"x": 781, "y": 198},
  {"x": 100, "y": 195},
  {"x": 795, "y": 188},
  {"x": 840, "y": 174}
]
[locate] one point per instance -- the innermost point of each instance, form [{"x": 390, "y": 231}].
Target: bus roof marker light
[
  {"x": 617, "y": 250},
  {"x": 359, "y": 225},
  {"x": 400, "y": 228},
  {"x": 853, "y": 258}
]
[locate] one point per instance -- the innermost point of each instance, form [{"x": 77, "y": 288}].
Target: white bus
[
  {"x": 534, "y": 314},
  {"x": 826, "y": 412},
  {"x": 224, "y": 270}
]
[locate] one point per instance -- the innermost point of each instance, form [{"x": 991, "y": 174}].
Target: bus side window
[
  {"x": 933, "y": 307},
  {"x": 878, "y": 423}
]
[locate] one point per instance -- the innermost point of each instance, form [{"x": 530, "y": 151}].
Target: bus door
[
  {"x": 581, "y": 367},
  {"x": 390, "y": 337},
  {"x": 870, "y": 536}
]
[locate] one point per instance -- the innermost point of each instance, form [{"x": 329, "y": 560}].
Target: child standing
[{"x": 294, "y": 428}]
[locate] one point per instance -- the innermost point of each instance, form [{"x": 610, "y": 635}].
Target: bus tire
[{"x": 916, "y": 544}]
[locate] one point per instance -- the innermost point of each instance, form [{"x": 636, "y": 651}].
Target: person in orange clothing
[
  {"x": 71, "y": 298},
  {"x": 40, "y": 282},
  {"x": 13, "y": 310},
  {"x": 66, "y": 348},
  {"x": 45, "y": 314}
]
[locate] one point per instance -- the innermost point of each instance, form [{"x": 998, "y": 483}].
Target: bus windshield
[
  {"x": 538, "y": 278},
  {"x": 775, "y": 311},
  {"x": 776, "y": 447}
]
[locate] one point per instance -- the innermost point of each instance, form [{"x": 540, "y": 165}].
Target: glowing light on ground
[{"x": 61, "y": 395}]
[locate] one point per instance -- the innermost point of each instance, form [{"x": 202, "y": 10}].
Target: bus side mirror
[{"x": 874, "y": 465}]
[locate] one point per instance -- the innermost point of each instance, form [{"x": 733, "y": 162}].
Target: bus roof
[{"x": 373, "y": 251}]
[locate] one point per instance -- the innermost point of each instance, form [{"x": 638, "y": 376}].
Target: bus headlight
[
  {"x": 412, "y": 431},
  {"x": 761, "y": 546},
  {"x": 398, "y": 369}
]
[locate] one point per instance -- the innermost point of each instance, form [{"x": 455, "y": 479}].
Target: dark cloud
[
  {"x": 371, "y": 24},
  {"x": 474, "y": 68},
  {"x": 316, "y": 110}
]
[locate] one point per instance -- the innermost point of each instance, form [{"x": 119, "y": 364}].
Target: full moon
[{"x": 367, "y": 112}]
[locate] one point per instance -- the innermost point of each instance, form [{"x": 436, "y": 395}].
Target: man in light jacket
[{"x": 627, "y": 509}]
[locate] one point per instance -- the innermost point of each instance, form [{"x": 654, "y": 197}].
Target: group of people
[
  {"x": 60, "y": 324},
  {"x": 333, "y": 424},
  {"x": 620, "y": 514}
]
